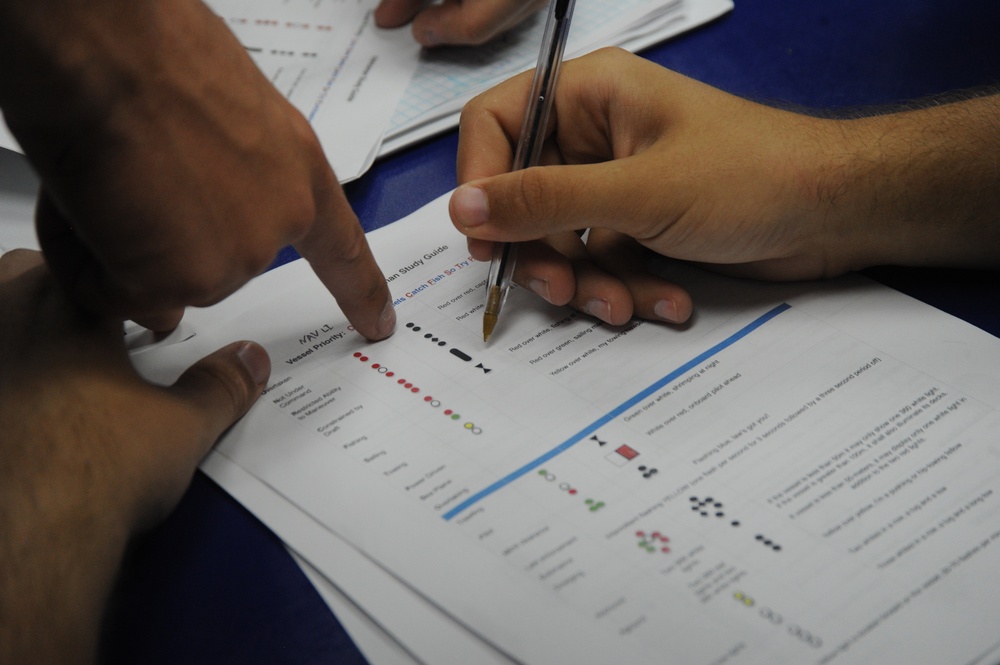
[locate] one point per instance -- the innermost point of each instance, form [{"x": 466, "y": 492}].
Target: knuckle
[
  {"x": 353, "y": 247},
  {"x": 302, "y": 130},
  {"x": 475, "y": 29},
  {"x": 299, "y": 214},
  {"x": 537, "y": 195},
  {"x": 613, "y": 54},
  {"x": 195, "y": 284}
]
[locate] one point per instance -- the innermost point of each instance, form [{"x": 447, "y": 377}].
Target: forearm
[{"x": 917, "y": 188}]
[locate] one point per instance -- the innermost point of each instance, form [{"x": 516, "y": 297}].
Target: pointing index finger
[{"x": 336, "y": 248}]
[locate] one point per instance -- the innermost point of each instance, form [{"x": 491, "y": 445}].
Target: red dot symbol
[
  {"x": 407, "y": 385},
  {"x": 447, "y": 412},
  {"x": 665, "y": 550},
  {"x": 415, "y": 390},
  {"x": 639, "y": 534},
  {"x": 572, "y": 491},
  {"x": 375, "y": 365},
  {"x": 389, "y": 374},
  {"x": 428, "y": 398},
  {"x": 357, "y": 354},
  {"x": 401, "y": 381},
  {"x": 364, "y": 359}
]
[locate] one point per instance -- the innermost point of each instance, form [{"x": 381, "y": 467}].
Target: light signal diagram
[
  {"x": 565, "y": 487},
  {"x": 624, "y": 454},
  {"x": 593, "y": 505},
  {"x": 621, "y": 455},
  {"x": 653, "y": 542},
  {"x": 275, "y": 23},
  {"x": 709, "y": 507},
  {"x": 458, "y": 353},
  {"x": 767, "y": 542},
  {"x": 626, "y": 451},
  {"x": 415, "y": 390},
  {"x": 775, "y": 618}
]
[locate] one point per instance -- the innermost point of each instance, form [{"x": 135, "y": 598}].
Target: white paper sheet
[
  {"x": 805, "y": 473},
  {"x": 448, "y": 78},
  {"x": 333, "y": 64},
  {"x": 390, "y": 622},
  {"x": 369, "y": 92},
  {"x": 7, "y": 140},
  {"x": 18, "y": 192}
]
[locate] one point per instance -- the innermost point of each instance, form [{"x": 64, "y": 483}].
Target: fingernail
[
  {"x": 540, "y": 287},
  {"x": 666, "y": 310},
  {"x": 599, "y": 308},
  {"x": 254, "y": 358},
  {"x": 470, "y": 206},
  {"x": 386, "y": 322}
]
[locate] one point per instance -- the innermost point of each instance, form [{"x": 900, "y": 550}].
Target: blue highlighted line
[{"x": 617, "y": 411}]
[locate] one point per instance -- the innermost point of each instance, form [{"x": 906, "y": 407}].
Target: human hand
[
  {"x": 646, "y": 159},
  {"x": 468, "y": 22},
  {"x": 91, "y": 454},
  {"x": 172, "y": 171}
]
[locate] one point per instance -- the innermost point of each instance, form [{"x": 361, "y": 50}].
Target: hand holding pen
[{"x": 529, "y": 148}]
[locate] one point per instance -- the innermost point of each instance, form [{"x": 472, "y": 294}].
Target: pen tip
[
  {"x": 489, "y": 323},
  {"x": 492, "y": 313}
]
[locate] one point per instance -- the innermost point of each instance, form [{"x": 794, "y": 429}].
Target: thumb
[
  {"x": 221, "y": 387},
  {"x": 541, "y": 201},
  {"x": 203, "y": 403}
]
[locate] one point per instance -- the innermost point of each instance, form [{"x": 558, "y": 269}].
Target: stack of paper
[
  {"x": 792, "y": 477},
  {"x": 368, "y": 92},
  {"x": 447, "y": 78}
]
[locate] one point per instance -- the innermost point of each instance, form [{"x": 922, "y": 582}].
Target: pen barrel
[
  {"x": 543, "y": 85},
  {"x": 529, "y": 146}
]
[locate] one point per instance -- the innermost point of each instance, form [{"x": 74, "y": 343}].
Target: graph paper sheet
[
  {"x": 447, "y": 78},
  {"x": 793, "y": 477}
]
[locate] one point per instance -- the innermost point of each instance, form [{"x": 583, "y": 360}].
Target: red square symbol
[{"x": 626, "y": 452}]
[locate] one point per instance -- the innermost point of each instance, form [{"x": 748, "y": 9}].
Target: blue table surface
[{"x": 213, "y": 585}]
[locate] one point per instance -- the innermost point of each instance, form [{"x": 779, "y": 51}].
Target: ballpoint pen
[{"x": 529, "y": 147}]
